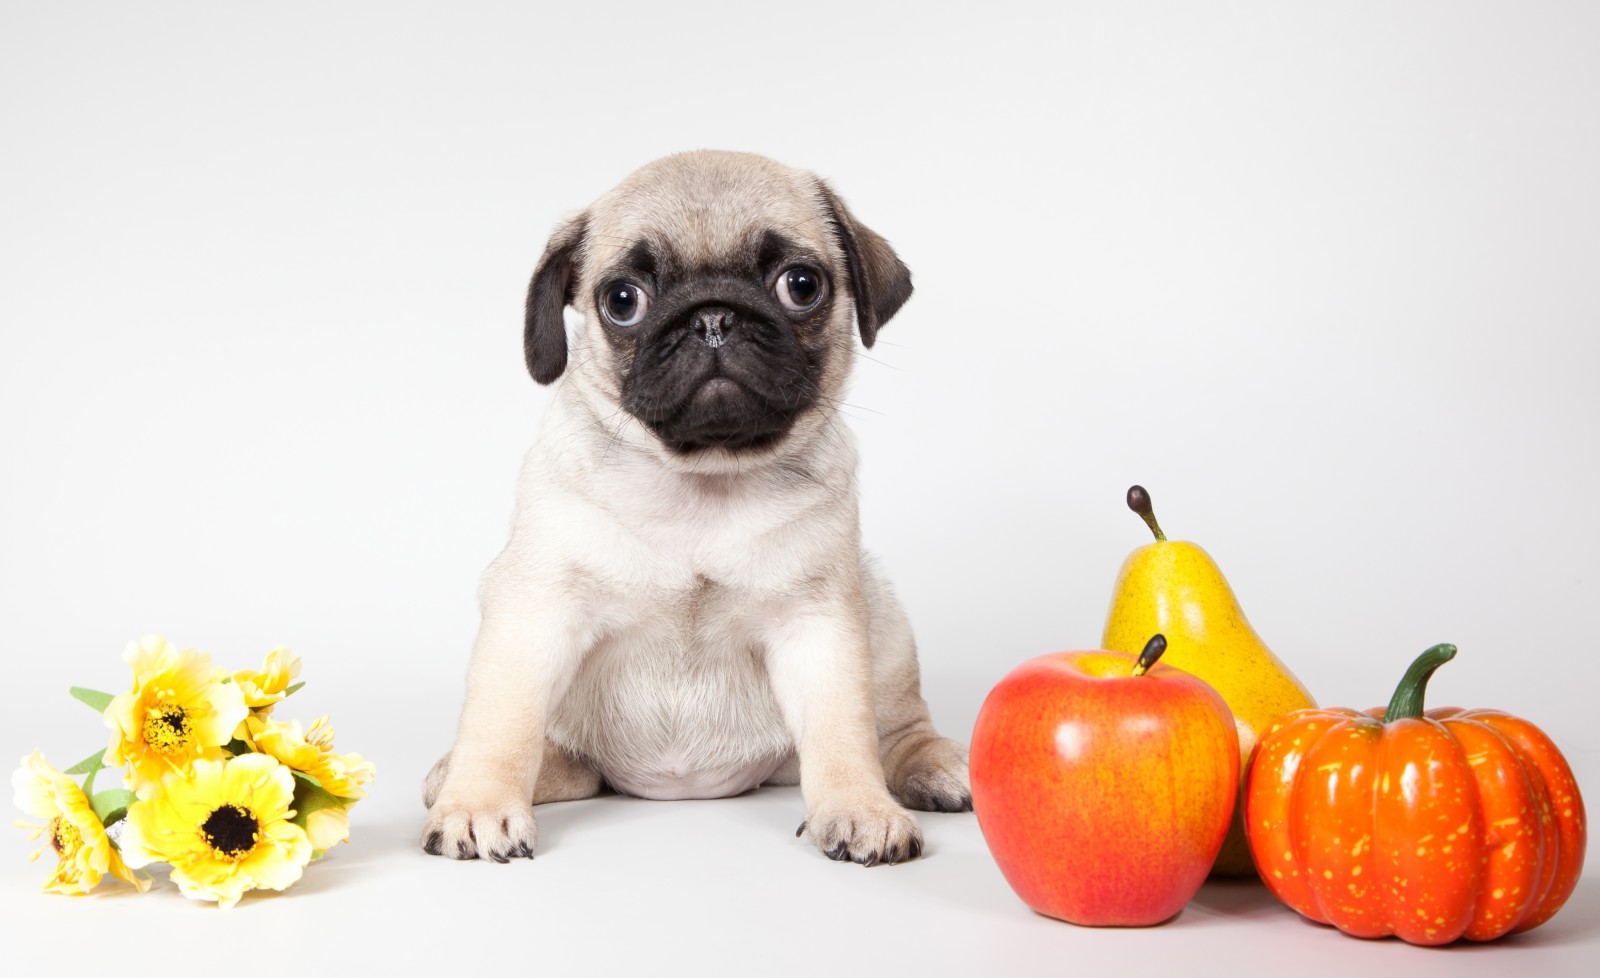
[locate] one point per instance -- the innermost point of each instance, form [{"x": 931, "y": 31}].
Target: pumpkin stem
[
  {"x": 1407, "y": 701},
  {"x": 1152, "y": 652}
]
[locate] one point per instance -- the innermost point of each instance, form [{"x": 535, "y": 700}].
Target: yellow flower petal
[
  {"x": 327, "y": 827},
  {"x": 178, "y": 711},
  {"x": 33, "y": 782},
  {"x": 224, "y": 826},
  {"x": 342, "y": 775},
  {"x": 268, "y": 685},
  {"x": 83, "y": 850}
]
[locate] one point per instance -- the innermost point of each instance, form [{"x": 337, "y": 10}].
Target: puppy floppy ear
[
  {"x": 880, "y": 280},
  {"x": 544, "y": 333}
]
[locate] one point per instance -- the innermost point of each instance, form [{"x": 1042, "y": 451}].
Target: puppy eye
[
  {"x": 623, "y": 304},
  {"x": 799, "y": 288}
]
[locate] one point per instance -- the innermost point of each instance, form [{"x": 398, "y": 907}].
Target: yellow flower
[
  {"x": 84, "y": 851},
  {"x": 312, "y": 753},
  {"x": 271, "y": 683},
  {"x": 327, "y": 827},
  {"x": 341, "y": 775},
  {"x": 224, "y": 826},
  {"x": 178, "y": 711}
]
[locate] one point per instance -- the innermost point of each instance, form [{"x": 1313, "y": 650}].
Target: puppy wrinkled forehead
[{"x": 716, "y": 203}]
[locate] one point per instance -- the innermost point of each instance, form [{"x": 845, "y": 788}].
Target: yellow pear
[{"x": 1174, "y": 587}]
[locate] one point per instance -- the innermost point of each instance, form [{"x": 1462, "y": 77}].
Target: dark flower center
[
  {"x": 166, "y": 728},
  {"x": 231, "y": 831},
  {"x": 64, "y": 837}
]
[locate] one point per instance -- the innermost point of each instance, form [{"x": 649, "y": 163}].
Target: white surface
[
  {"x": 1319, "y": 276},
  {"x": 718, "y": 888}
]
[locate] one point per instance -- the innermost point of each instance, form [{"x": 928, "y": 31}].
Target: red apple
[{"x": 1104, "y": 790}]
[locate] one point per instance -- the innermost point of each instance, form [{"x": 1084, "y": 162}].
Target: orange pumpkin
[{"x": 1430, "y": 826}]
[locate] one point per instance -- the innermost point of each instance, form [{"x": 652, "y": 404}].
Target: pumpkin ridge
[
  {"x": 1341, "y": 874},
  {"x": 1507, "y": 844},
  {"x": 1561, "y": 817}
]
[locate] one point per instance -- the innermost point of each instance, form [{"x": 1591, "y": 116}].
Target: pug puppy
[{"x": 684, "y": 609}]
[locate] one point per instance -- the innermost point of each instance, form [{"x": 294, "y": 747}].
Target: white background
[{"x": 1321, "y": 276}]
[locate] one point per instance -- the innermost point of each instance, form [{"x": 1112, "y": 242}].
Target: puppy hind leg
[
  {"x": 925, "y": 771},
  {"x": 435, "y": 780},
  {"x": 563, "y": 777},
  {"x": 787, "y": 774}
]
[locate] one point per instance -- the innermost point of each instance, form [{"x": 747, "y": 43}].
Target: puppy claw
[
  {"x": 800, "y": 831},
  {"x": 878, "y": 832},
  {"x": 495, "y": 832}
]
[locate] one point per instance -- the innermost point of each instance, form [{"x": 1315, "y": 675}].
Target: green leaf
[
  {"x": 93, "y": 762},
  {"x": 91, "y": 766},
  {"x": 291, "y": 690},
  {"x": 114, "y": 816},
  {"x": 93, "y": 697},
  {"x": 310, "y": 797},
  {"x": 111, "y": 805},
  {"x": 307, "y": 778},
  {"x": 237, "y": 747}
]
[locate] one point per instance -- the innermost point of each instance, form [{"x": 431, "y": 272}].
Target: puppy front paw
[
  {"x": 866, "y": 833},
  {"x": 492, "y": 831}
]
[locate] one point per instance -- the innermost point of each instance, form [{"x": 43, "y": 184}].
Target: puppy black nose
[{"x": 710, "y": 322}]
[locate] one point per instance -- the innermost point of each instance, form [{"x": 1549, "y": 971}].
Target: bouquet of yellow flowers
[{"x": 230, "y": 798}]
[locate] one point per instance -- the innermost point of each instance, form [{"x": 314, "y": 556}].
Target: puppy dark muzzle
[{"x": 723, "y": 371}]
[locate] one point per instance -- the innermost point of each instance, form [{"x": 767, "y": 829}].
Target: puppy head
[{"x": 721, "y": 293}]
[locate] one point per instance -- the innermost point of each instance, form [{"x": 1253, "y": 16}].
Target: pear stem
[
  {"x": 1152, "y": 652},
  {"x": 1139, "y": 502},
  {"x": 1407, "y": 701}
]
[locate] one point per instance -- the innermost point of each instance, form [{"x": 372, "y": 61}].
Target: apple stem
[
  {"x": 1139, "y": 502},
  {"x": 1152, "y": 652},
  {"x": 1407, "y": 701}
]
